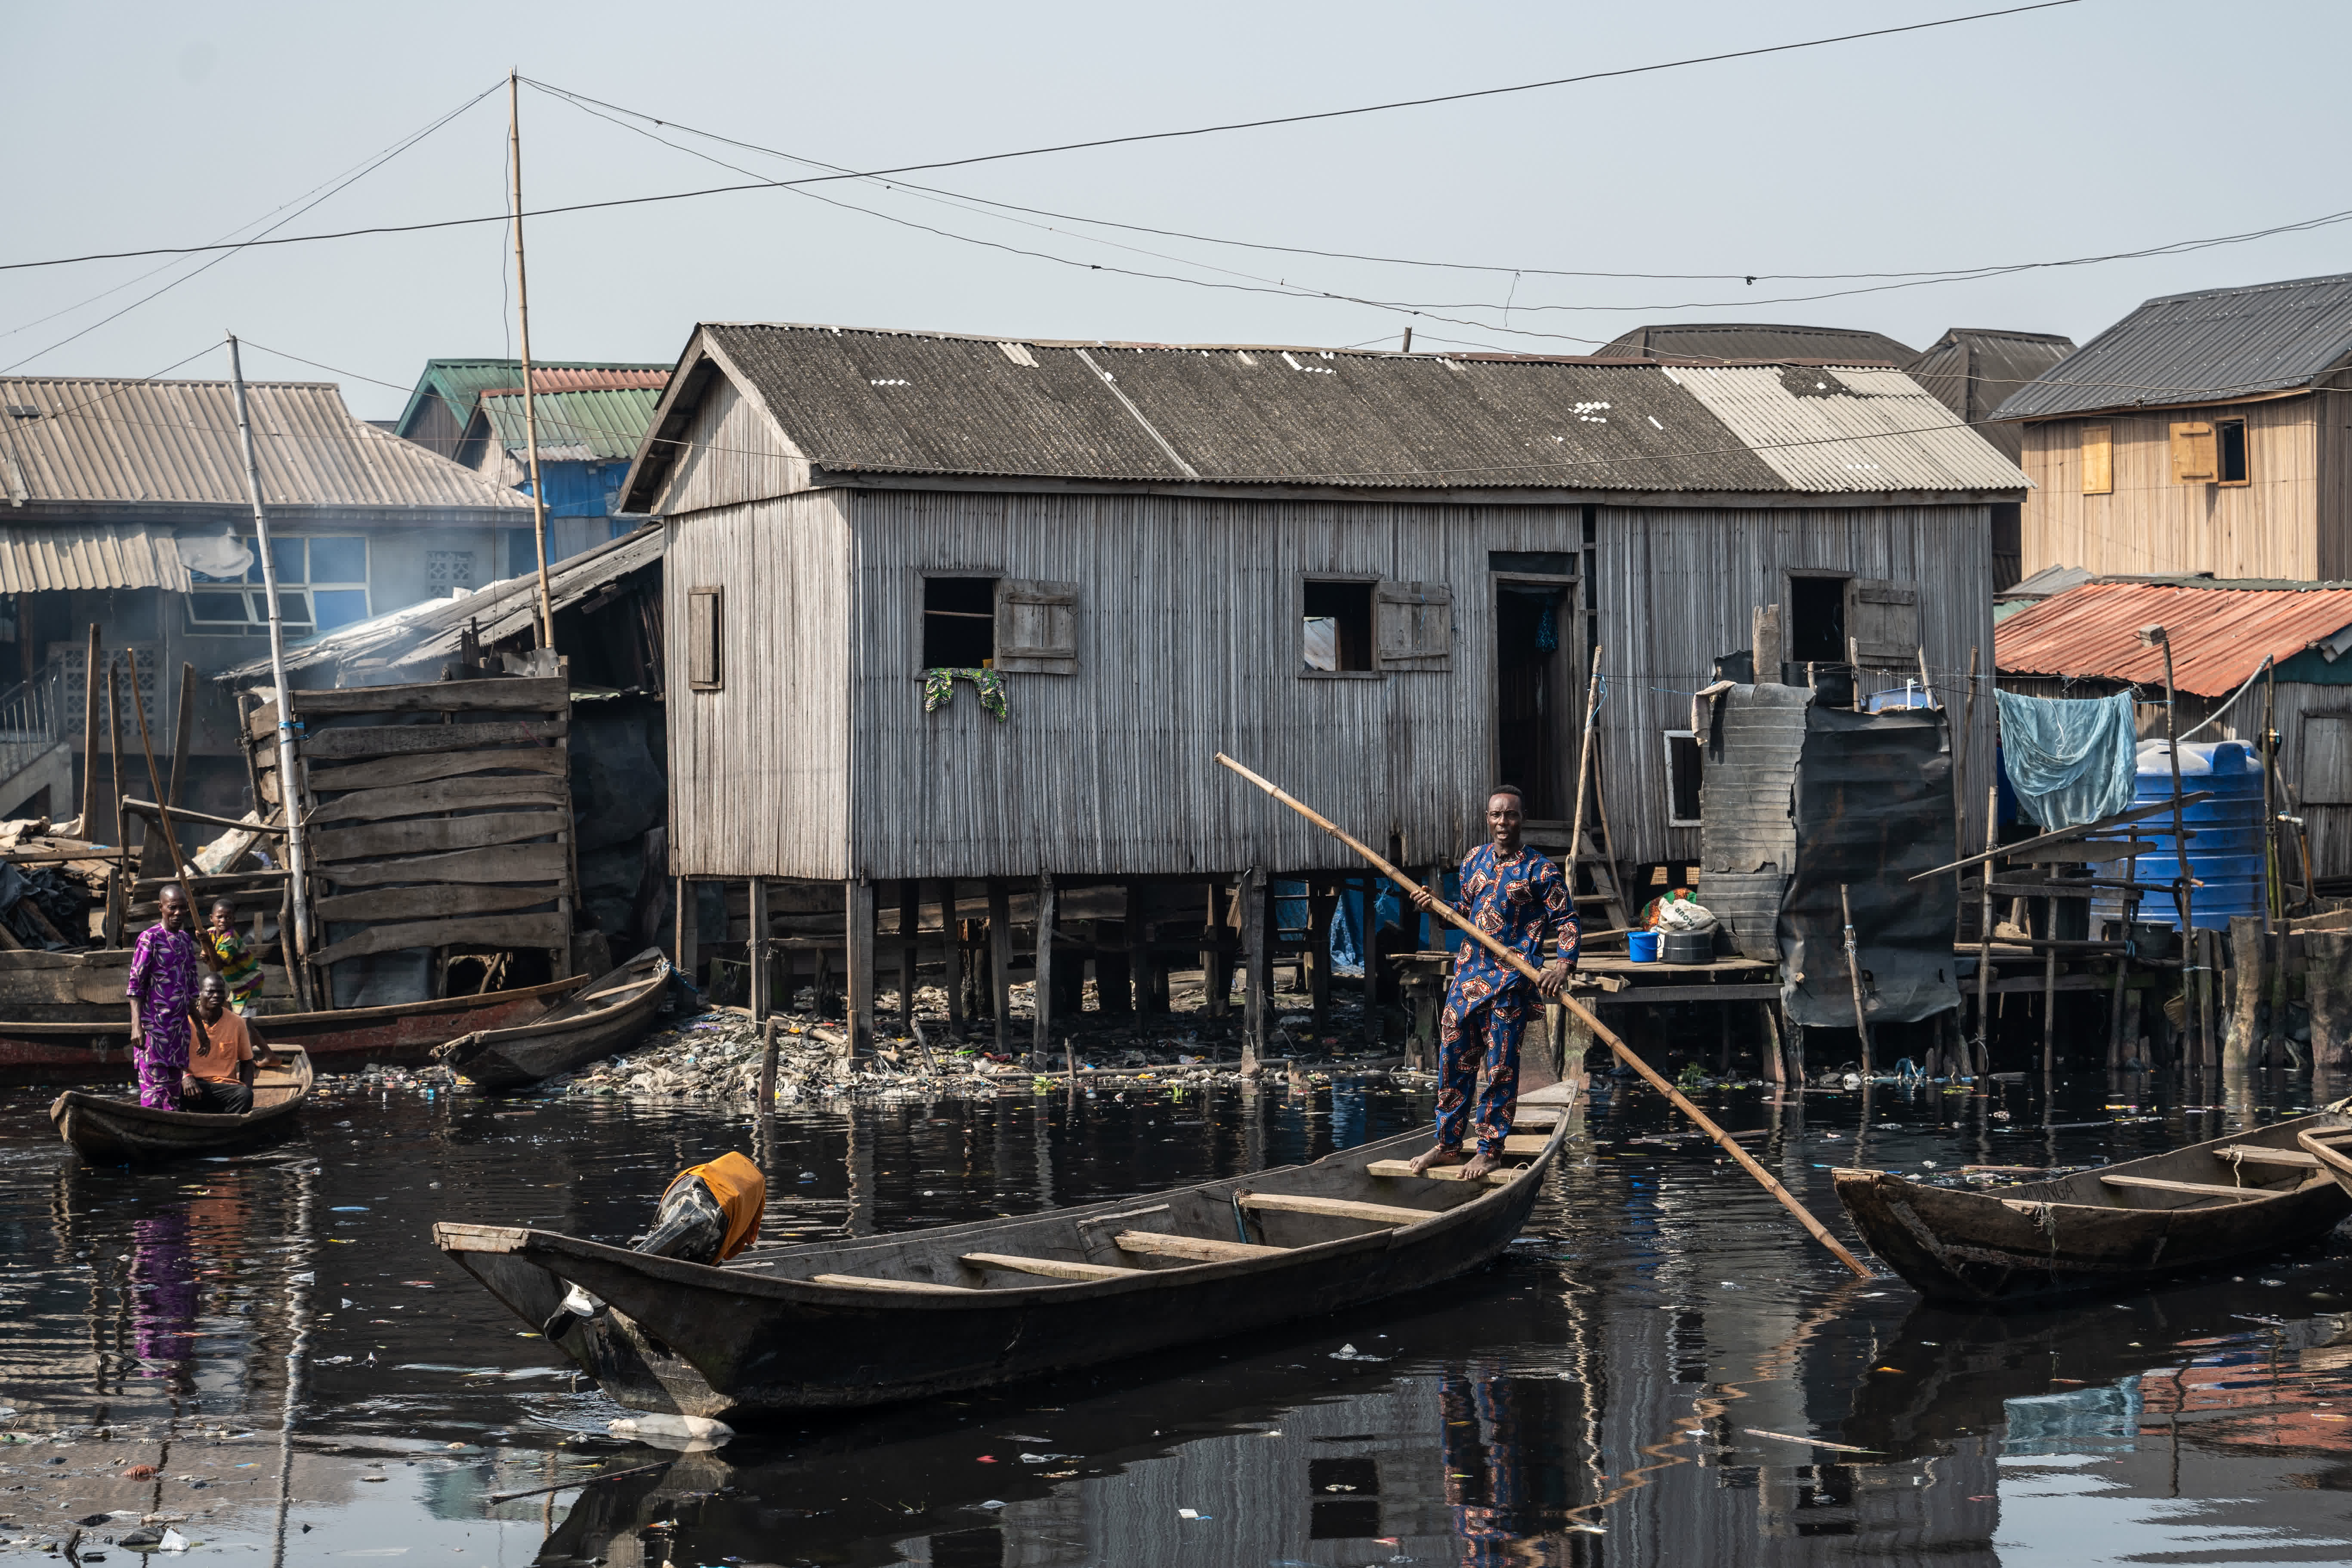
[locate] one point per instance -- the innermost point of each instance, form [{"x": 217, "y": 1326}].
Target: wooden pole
[
  {"x": 910, "y": 928},
  {"x": 858, "y": 959},
  {"x": 1961, "y": 771},
  {"x": 1257, "y": 968},
  {"x": 1624, "y": 1053},
  {"x": 1853, "y": 973},
  {"x": 530, "y": 411},
  {"x": 756, "y": 943},
  {"x": 768, "y": 1064},
  {"x": 1983, "y": 1063},
  {"x": 90, "y": 740},
  {"x": 2050, "y": 990},
  {"x": 2245, "y": 990},
  {"x": 952, "y": 944},
  {"x": 184, "y": 732},
  {"x": 1041, "y": 1011},
  {"x": 155, "y": 780},
  {"x": 1000, "y": 958},
  {"x": 1583, "y": 768},
  {"x": 2181, "y": 896}
]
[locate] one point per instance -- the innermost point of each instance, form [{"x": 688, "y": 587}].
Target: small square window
[
  {"x": 2229, "y": 452},
  {"x": 958, "y": 623},
  {"x": 1338, "y": 631},
  {"x": 1816, "y": 620}
]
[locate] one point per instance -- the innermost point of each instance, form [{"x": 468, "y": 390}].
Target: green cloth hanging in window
[{"x": 939, "y": 689}]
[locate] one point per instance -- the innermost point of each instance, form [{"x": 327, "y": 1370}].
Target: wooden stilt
[
  {"x": 2048, "y": 989},
  {"x": 952, "y": 948},
  {"x": 757, "y": 948},
  {"x": 1320, "y": 903},
  {"x": 1041, "y": 1037},
  {"x": 2245, "y": 990},
  {"x": 1000, "y": 960},
  {"x": 1257, "y": 971},
  {"x": 859, "y": 961},
  {"x": 910, "y": 925},
  {"x": 1775, "y": 1069},
  {"x": 1216, "y": 970},
  {"x": 1374, "y": 1024},
  {"x": 1984, "y": 935}
]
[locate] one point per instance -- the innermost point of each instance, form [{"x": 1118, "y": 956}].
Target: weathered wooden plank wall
[
  {"x": 2150, "y": 523},
  {"x": 441, "y": 813},
  {"x": 1676, "y": 587},
  {"x": 759, "y": 769}
]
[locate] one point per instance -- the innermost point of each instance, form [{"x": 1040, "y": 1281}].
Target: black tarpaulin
[{"x": 1872, "y": 806}]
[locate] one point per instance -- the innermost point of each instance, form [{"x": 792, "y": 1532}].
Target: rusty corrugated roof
[
  {"x": 174, "y": 442},
  {"x": 2219, "y": 635}
]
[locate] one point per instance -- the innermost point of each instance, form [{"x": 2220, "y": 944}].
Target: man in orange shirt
[{"x": 221, "y": 1055}]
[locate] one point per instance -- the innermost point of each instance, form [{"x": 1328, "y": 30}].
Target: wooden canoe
[
  {"x": 2115, "y": 1228},
  {"x": 400, "y": 1033},
  {"x": 610, "y": 1015},
  {"x": 847, "y": 1323},
  {"x": 112, "y": 1131},
  {"x": 2331, "y": 1148}
]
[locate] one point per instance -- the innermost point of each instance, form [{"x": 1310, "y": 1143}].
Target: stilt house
[{"x": 961, "y": 609}]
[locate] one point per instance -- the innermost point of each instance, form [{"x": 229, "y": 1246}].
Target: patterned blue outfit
[{"x": 1519, "y": 902}]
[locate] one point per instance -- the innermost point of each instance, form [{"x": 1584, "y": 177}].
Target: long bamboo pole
[
  {"x": 179, "y": 866},
  {"x": 530, "y": 409},
  {"x": 1723, "y": 1139}
]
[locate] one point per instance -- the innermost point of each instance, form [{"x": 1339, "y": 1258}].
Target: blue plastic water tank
[{"x": 2225, "y": 844}]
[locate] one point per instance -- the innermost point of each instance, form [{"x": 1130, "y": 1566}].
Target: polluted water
[{"x": 264, "y": 1356}]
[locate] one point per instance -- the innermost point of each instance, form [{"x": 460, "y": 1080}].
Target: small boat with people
[
  {"x": 853, "y": 1322},
  {"x": 113, "y": 1130},
  {"x": 2117, "y": 1227},
  {"x": 606, "y": 1017}
]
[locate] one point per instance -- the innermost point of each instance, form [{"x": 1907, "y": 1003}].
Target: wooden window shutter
[
  {"x": 705, "y": 669},
  {"x": 2192, "y": 453},
  {"x": 2098, "y": 459},
  {"x": 1412, "y": 625},
  {"x": 1883, "y": 621},
  {"x": 1036, "y": 626},
  {"x": 2326, "y": 763}
]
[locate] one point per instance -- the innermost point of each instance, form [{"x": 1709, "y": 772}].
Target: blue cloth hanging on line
[{"x": 2070, "y": 762}]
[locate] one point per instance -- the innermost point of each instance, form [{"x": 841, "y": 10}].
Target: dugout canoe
[
  {"x": 2119, "y": 1228},
  {"x": 401, "y": 1034},
  {"x": 610, "y": 1015},
  {"x": 111, "y": 1130},
  {"x": 849, "y": 1323}
]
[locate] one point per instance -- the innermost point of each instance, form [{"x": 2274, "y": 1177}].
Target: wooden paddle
[{"x": 1624, "y": 1053}]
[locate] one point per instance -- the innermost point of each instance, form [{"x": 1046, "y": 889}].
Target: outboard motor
[{"x": 708, "y": 1214}]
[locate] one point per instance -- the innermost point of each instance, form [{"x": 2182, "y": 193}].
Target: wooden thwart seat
[
  {"x": 2193, "y": 1189},
  {"x": 915, "y": 1287},
  {"x": 1052, "y": 1268},
  {"x": 2255, "y": 1155},
  {"x": 1404, "y": 1170},
  {"x": 1198, "y": 1248},
  {"x": 1339, "y": 1208}
]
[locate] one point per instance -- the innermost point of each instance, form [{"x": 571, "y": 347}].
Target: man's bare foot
[
  {"x": 1480, "y": 1164},
  {"x": 1439, "y": 1155}
]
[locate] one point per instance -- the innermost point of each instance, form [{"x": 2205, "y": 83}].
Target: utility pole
[
  {"x": 290, "y": 795},
  {"x": 529, "y": 413}
]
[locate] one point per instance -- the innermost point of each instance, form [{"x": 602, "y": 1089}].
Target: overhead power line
[{"x": 1131, "y": 140}]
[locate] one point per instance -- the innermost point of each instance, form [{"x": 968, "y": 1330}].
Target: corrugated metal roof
[
  {"x": 906, "y": 403},
  {"x": 2207, "y": 347},
  {"x": 427, "y": 633},
  {"x": 2219, "y": 635},
  {"x": 1849, "y": 429},
  {"x": 459, "y": 382},
  {"x": 89, "y": 556},
  {"x": 1744, "y": 340},
  {"x": 586, "y": 425},
  {"x": 1973, "y": 370},
  {"x": 89, "y": 440}
]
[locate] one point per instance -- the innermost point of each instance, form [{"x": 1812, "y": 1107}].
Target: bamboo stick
[
  {"x": 1853, "y": 973},
  {"x": 155, "y": 779},
  {"x": 1624, "y": 1053}
]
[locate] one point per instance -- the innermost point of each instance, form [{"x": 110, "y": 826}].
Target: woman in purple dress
[{"x": 163, "y": 989}]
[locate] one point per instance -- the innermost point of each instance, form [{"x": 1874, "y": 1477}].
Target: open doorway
[{"x": 1536, "y": 712}]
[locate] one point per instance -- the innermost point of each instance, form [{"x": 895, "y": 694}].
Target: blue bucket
[{"x": 1641, "y": 946}]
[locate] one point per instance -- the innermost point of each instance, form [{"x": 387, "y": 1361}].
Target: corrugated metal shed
[
  {"x": 2219, "y": 634},
  {"x": 458, "y": 382},
  {"x": 89, "y": 556},
  {"x": 1741, "y": 339},
  {"x": 587, "y": 425},
  {"x": 1825, "y": 430},
  {"x": 147, "y": 442},
  {"x": 1973, "y": 370},
  {"x": 427, "y": 633},
  {"x": 854, "y": 401},
  {"x": 2206, "y": 347}
]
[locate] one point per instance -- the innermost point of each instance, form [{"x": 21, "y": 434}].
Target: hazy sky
[{"x": 2102, "y": 126}]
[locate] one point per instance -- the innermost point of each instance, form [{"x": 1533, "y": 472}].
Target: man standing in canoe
[
  {"x": 1516, "y": 896},
  {"x": 162, "y": 992}
]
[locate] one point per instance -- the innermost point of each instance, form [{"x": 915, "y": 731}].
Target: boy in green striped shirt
[{"x": 229, "y": 957}]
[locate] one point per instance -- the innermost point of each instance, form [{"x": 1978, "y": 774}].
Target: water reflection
[{"x": 1663, "y": 1372}]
